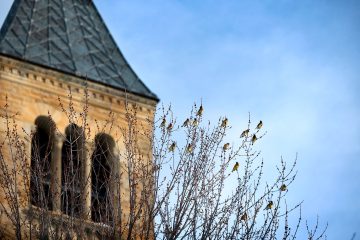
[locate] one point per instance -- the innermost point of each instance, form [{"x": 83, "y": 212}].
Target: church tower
[{"x": 57, "y": 57}]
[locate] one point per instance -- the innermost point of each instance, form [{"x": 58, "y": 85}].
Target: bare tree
[{"x": 167, "y": 181}]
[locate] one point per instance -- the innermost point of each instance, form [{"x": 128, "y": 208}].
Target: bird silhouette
[
  {"x": 236, "y": 166},
  {"x": 163, "y": 123},
  {"x": 186, "y": 123},
  {"x": 245, "y": 133},
  {"x": 189, "y": 148},
  {"x": 260, "y": 124},
  {"x": 172, "y": 147},
  {"x": 224, "y": 123},
  {"x": 253, "y": 139},
  {"x": 200, "y": 111},
  {"x": 269, "y": 205}
]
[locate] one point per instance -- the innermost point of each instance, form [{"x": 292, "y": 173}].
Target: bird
[
  {"x": 224, "y": 122},
  {"x": 170, "y": 126},
  {"x": 269, "y": 205},
  {"x": 163, "y": 123},
  {"x": 260, "y": 124},
  {"x": 195, "y": 122},
  {"x": 283, "y": 187},
  {"x": 172, "y": 147},
  {"x": 253, "y": 139},
  {"x": 189, "y": 148},
  {"x": 226, "y": 146},
  {"x": 236, "y": 166},
  {"x": 200, "y": 111},
  {"x": 243, "y": 217},
  {"x": 245, "y": 133},
  {"x": 186, "y": 123}
]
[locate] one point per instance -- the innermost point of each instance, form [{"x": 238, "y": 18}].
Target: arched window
[
  {"x": 102, "y": 161},
  {"x": 72, "y": 171},
  {"x": 40, "y": 176}
]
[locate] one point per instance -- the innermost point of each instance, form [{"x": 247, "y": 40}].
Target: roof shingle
[{"x": 68, "y": 35}]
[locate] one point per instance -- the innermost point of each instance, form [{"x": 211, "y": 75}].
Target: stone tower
[{"x": 49, "y": 48}]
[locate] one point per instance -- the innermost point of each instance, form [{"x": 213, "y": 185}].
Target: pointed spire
[{"x": 70, "y": 36}]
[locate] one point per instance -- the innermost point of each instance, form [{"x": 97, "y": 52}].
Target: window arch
[
  {"x": 102, "y": 160},
  {"x": 40, "y": 175},
  {"x": 72, "y": 162}
]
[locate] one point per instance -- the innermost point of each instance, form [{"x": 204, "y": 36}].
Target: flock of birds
[
  {"x": 224, "y": 124},
  {"x": 245, "y": 133}
]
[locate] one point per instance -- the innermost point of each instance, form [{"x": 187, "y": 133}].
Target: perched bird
[
  {"x": 163, "y": 123},
  {"x": 260, "y": 124},
  {"x": 244, "y": 217},
  {"x": 236, "y": 166},
  {"x": 195, "y": 122},
  {"x": 186, "y": 123},
  {"x": 283, "y": 187},
  {"x": 189, "y": 148},
  {"x": 245, "y": 133},
  {"x": 226, "y": 146},
  {"x": 224, "y": 123},
  {"x": 172, "y": 147},
  {"x": 169, "y": 127},
  {"x": 269, "y": 205},
  {"x": 253, "y": 139},
  {"x": 200, "y": 111}
]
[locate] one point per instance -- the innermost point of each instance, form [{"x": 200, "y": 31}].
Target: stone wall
[{"x": 34, "y": 91}]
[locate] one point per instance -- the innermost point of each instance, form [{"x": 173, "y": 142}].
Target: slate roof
[{"x": 70, "y": 36}]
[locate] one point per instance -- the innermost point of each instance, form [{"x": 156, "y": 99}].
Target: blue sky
[{"x": 293, "y": 64}]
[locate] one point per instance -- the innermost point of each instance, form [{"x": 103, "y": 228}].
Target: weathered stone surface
[{"x": 32, "y": 91}]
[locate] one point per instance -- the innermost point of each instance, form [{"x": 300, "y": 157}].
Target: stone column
[
  {"x": 56, "y": 171},
  {"x": 28, "y": 140},
  {"x": 116, "y": 183},
  {"x": 87, "y": 179},
  {"x": 30, "y": 130}
]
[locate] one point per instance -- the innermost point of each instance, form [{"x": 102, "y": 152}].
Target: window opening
[
  {"x": 101, "y": 179},
  {"x": 72, "y": 182},
  {"x": 40, "y": 175}
]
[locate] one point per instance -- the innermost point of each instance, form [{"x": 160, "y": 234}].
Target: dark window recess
[
  {"x": 101, "y": 205},
  {"x": 41, "y": 147},
  {"x": 72, "y": 183}
]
